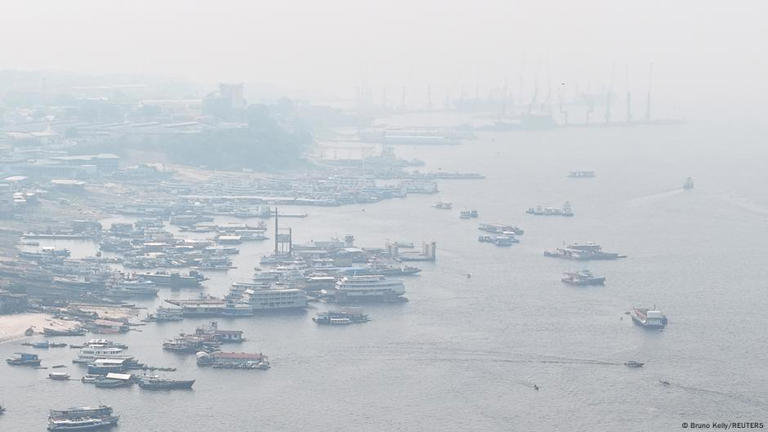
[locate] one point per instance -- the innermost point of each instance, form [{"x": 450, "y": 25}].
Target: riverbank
[{"x": 12, "y": 327}]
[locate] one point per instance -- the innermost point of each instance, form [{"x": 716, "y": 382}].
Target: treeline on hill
[
  {"x": 274, "y": 138},
  {"x": 268, "y": 142}
]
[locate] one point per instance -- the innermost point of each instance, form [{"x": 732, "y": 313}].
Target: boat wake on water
[
  {"x": 654, "y": 197},
  {"x": 745, "y": 399},
  {"x": 748, "y": 206}
]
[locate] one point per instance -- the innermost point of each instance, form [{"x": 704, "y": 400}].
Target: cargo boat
[
  {"x": 157, "y": 383},
  {"x": 583, "y": 252},
  {"x": 24, "y": 359},
  {"x": 582, "y": 278},
  {"x": 59, "y": 376},
  {"x": 688, "y": 185},
  {"x": 231, "y": 360},
  {"x": 648, "y": 318}
]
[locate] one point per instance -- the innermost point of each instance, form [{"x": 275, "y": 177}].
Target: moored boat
[
  {"x": 59, "y": 376},
  {"x": 343, "y": 317},
  {"x": 157, "y": 383},
  {"x": 81, "y": 424},
  {"x": 80, "y": 412},
  {"x": 24, "y": 359}
]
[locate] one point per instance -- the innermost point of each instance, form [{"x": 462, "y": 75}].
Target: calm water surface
[{"x": 464, "y": 353}]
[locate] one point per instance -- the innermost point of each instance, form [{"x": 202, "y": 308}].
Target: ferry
[
  {"x": 104, "y": 343},
  {"x": 345, "y": 317},
  {"x": 91, "y": 353},
  {"x": 163, "y": 314},
  {"x": 138, "y": 288},
  {"x": 369, "y": 288},
  {"x": 648, "y": 318},
  {"x": 494, "y": 228},
  {"x": 566, "y": 211},
  {"x": 583, "y": 252},
  {"x": 380, "y": 269},
  {"x": 582, "y": 278},
  {"x": 581, "y": 174},
  {"x": 498, "y": 240},
  {"x": 81, "y": 424},
  {"x": 80, "y": 412}
]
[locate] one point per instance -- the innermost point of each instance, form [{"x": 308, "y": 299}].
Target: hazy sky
[{"x": 334, "y": 45}]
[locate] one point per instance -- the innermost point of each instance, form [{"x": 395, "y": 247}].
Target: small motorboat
[
  {"x": 663, "y": 382},
  {"x": 59, "y": 376},
  {"x": 633, "y": 364}
]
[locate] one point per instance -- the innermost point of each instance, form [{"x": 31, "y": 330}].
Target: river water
[{"x": 464, "y": 353}]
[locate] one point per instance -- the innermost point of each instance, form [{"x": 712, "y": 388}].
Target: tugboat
[
  {"x": 688, "y": 185},
  {"x": 633, "y": 364},
  {"x": 649, "y": 318},
  {"x": 582, "y": 278}
]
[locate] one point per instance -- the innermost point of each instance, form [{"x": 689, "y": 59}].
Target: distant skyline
[{"x": 700, "y": 50}]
